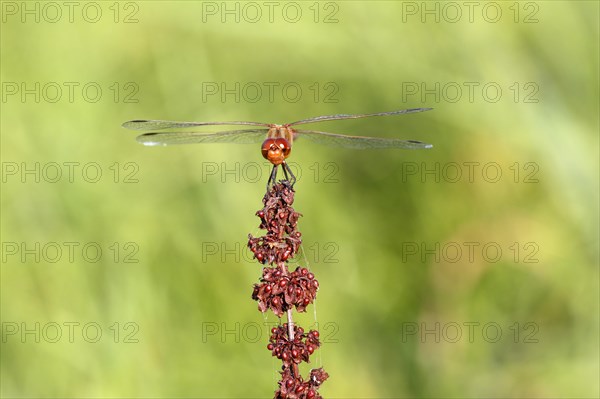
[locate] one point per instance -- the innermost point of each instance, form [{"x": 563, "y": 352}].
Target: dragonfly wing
[
  {"x": 160, "y": 125},
  {"x": 359, "y": 142},
  {"x": 349, "y": 116},
  {"x": 246, "y": 136}
]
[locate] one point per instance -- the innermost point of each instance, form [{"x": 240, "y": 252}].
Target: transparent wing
[
  {"x": 348, "y": 116},
  {"x": 359, "y": 142},
  {"x": 160, "y": 125},
  {"x": 246, "y": 136}
]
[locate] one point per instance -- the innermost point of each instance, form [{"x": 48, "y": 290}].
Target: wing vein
[
  {"x": 350, "y": 116},
  {"x": 160, "y": 125},
  {"x": 245, "y": 136},
  {"x": 359, "y": 142}
]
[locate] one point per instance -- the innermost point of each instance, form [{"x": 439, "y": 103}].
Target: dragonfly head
[{"x": 276, "y": 150}]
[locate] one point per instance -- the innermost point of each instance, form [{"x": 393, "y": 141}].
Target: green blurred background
[{"x": 404, "y": 309}]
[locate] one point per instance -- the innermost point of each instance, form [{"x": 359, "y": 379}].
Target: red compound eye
[{"x": 276, "y": 150}]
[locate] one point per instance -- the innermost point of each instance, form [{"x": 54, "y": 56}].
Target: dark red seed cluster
[
  {"x": 269, "y": 249},
  {"x": 279, "y": 292},
  {"x": 282, "y": 240},
  {"x": 293, "y": 351},
  {"x": 296, "y": 388}
]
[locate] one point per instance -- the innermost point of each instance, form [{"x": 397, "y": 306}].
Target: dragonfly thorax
[{"x": 281, "y": 131}]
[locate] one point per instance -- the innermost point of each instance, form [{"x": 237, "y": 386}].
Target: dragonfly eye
[{"x": 276, "y": 150}]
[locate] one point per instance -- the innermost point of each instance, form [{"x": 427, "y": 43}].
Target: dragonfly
[{"x": 277, "y": 139}]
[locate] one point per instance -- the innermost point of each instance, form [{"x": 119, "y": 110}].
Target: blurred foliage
[{"x": 364, "y": 211}]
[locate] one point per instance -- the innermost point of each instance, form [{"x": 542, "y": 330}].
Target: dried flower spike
[{"x": 281, "y": 291}]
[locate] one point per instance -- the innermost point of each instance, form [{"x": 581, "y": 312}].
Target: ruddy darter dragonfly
[{"x": 276, "y": 139}]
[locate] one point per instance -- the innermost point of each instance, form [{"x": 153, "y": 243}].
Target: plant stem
[{"x": 290, "y": 321}]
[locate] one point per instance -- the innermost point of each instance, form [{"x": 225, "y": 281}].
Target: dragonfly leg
[
  {"x": 273, "y": 177},
  {"x": 286, "y": 170}
]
